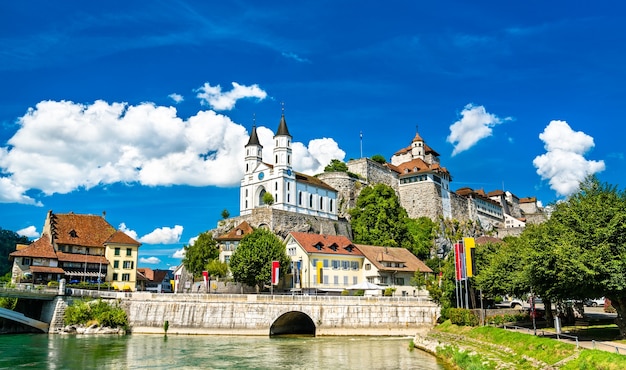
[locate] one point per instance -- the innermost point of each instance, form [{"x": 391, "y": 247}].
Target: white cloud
[
  {"x": 474, "y": 125},
  {"x": 563, "y": 164},
  {"x": 29, "y": 232},
  {"x": 177, "y": 98},
  {"x": 150, "y": 260},
  {"x": 105, "y": 143},
  {"x": 163, "y": 235},
  {"x": 294, "y": 56},
  {"x": 180, "y": 253},
  {"x": 218, "y": 100},
  {"x": 127, "y": 231}
]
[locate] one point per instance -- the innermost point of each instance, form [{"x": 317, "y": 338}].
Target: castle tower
[
  {"x": 417, "y": 147},
  {"x": 254, "y": 152}
]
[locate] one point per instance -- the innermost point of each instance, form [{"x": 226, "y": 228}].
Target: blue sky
[{"x": 141, "y": 108}]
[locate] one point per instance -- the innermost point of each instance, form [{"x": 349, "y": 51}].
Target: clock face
[
  {"x": 261, "y": 175},
  {"x": 288, "y": 172}
]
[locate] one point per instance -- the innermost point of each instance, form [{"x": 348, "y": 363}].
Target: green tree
[
  {"x": 379, "y": 158},
  {"x": 216, "y": 268},
  {"x": 268, "y": 199},
  {"x": 336, "y": 165},
  {"x": 200, "y": 253},
  {"x": 8, "y": 240},
  {"x": 422, "y": 230},
  {"x": 225, "y": 214},
  {"x": 379, "y": 219},
  {"x": 251, "y": 262}
]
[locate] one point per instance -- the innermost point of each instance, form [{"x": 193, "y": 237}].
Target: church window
[
  {"x": 288, "y": 186},
  {"x": 276, "y": 185},
  {"x": 276, "y": 142},
  {"x": 288, "y": 198},
  {"x": 311, "y": 201},
  {"x": 331, "y": 205},
  {"x": 247, "y": 167},
  {"x": 276, "y": 161},
  {"x": 288, "y": 159},
  {"x": 247, "y": 151},
  {"x": 299, "y": 198},
  {"x": 321, "y": 203}
]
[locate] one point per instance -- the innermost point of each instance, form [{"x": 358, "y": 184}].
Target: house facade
[
  {"x": 228, "y": 243},
  {"x": 78, "y": 248}
]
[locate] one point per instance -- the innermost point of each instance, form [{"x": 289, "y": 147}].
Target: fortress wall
[
  {"x": 348, "y": 189},
  {"x": 421, "y": 199},
  {"x": 373, "y": 172}
]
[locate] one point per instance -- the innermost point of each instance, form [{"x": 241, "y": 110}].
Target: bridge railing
[{"x": 26, "y": 289}]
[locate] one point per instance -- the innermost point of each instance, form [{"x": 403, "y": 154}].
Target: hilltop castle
[{"x": 320, "y": 204}]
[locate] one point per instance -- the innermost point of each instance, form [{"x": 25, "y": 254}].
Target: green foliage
[
  {"x": 502, "y": 319},
  {"x": 389, "y": 292},
  {"x": 6, "y": 277},
  {"x": 225, "y": 214},
  {"x": 198, "y": 255},
  {"x": 105, "y": 314},
  {"x": 379, "y": 219},
  {"x": 166, "y": 326},
  {"x": 251, "y": 262},
  {"x": 217, "y": 268},
  {"x": 8, "y": 303},
  {"x": 268, "y": 199},
  {"x": 379, "y": 159},
  {"x": 463, "y": 317},
  {"x": 336, "y": 165},
  {"x": 464, "y": 359},
  {"x": 422, "y": 230},
  {"x": 8, "y": 241}
]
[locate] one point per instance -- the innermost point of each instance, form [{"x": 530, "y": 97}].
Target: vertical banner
[
  {"x": 320, "y": 272},
  {"x": 205, "y": 278},
  {"x": 298, "y": 267},
  {"x": 459, "y": 262},
  {"x": 275, "y": 272},
  {"x": 470, "y": 245}
]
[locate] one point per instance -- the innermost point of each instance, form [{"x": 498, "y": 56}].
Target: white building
[{"x": 291, "y": 191}]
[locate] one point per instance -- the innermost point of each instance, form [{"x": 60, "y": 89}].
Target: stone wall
[
  {"x": 283, "y": 222},
  {"x": 373, "y": 172},
  {"x": 255, "y": 314},
  {"x": 421, "y": 199},
  {"x": 348, "y": 189}
]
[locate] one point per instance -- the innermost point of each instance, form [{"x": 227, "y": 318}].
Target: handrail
[
  {"x": 617, "y": 348},
  {"x": 543, "y": 334}
]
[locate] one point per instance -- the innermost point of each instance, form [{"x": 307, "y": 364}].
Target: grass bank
[{"x": 494, "y": 348}]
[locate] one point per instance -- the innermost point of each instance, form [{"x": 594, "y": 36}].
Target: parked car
[
  {"x": 510, "y": 303},
  {"x": 594, "y": 302}
]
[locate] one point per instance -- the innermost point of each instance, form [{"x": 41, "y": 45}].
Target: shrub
[
  {"x": 389, "y": 292},
  {"x": 101, "y": 312},
  {"x": 359, "y": 293},
  {"x": 463, "y": 317}
]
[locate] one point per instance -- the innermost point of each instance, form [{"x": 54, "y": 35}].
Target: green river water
[{"x": 37, "y": 351}]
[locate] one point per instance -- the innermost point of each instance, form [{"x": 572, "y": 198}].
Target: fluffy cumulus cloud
[
  {"x": 180, "y": 253},
  {"x": 475, "y": 124},
  {"x": 29, "y": 232},
  {"x": 218, "y": 100},
  {"x": 150, "y": 260},
  {"x": 564, "y": 164},
  {"x": 127, "y": 231},
  {"x": 104, "y": 143},
  {"x": 177, "y": 98},
  {"x": 163, "y": 235}
]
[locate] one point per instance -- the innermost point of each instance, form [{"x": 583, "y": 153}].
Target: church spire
[{"x": 282, "y": 126}]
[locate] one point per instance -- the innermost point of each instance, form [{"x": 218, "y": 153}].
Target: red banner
[
  {"x": 275, "y": 272},
  {"x": 458, "y": 261}
]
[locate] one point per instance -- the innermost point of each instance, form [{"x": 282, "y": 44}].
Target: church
[{"x": 290, "y": 190}]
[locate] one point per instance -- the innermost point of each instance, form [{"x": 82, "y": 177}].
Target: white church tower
[{"x": 291, "y": 191}]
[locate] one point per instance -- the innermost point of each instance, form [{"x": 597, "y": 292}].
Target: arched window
[
  {"x": 321, "y": 203},
  {"x": 330, "y": 205},
  {"x": 299, "y": 198},
  {"x": 311, "y": 201}
]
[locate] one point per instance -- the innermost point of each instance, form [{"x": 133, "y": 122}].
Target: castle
[{"x": 320, "y": 204}]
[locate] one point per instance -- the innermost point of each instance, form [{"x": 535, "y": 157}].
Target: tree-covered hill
[{"x": 8, "y": 240}]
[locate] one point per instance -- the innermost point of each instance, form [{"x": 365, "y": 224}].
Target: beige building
[{"x": 78, "y": 248}]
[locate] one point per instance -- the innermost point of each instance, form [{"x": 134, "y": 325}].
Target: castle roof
[
  {"x": 418, "y": 165},
  {"x": 528, "y": 200},
  {"x": 379, "y": 255},
  {"x": 327, "y": 244},
  {"x": 479, "y": 194},
  {"x": 254, "y": 138},
  {"x": 427, "y": 149}
]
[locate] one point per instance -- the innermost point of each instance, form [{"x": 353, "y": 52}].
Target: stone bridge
[
  {"x": 243, "y": 314},
  {"x": 271, "y": 315}
]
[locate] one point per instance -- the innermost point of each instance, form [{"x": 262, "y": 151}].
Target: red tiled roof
[
  {"x": 528, "y": 200},
  {"x": 120, "y": 237},
  {"x": 495, "y": 193},
  {"x": 378, "y": 255},
  {"x": 46, "y": 269},
  {"x": 84, "y": 230},
  {"x": 75, "y": 257},
  {"x": 237, "y": 233},
  {"x": 326, "y": 244},
  {"x": 41, "y": 248},
  {"x": 422, "y": 167},
  {"x": 312, "y": 180}
]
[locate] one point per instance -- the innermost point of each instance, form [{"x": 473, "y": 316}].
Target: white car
[
  {"x": 513, "y": 303},
  {"x": 594, "y": 302}
]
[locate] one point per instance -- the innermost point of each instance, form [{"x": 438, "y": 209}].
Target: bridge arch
[{"x": 293, "y": 323}]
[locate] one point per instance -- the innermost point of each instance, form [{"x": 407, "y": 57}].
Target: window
[
  {"x": 325, "y": 263},
  {"x": 25, "y": 261},
  {"x": 129, "y": 251},
  {"x": 325, "y": 279},
  {"x": 116, "y": 264},
  {"x": 321, "y": 203},
  {"x": 336, "y": 280},
  {"x": 345, "y": 265},
  {"x": 345, "y": 280},
  {"x": 299, "y": 198},
  {"x": 125, "y": 277},
  {"x": 399, "y": 281},
  {"x": 128, "y": 264},
  {"x": 331, "y": 206},
  {"x": 117, "y": 251},
  {"x": 335, "y": 264},
  {"x": 311, "y": 201},
  {"x": 368, "y": 266},
  {"x": 115, "y": 276},
  {"x": 354, "y": 265},
  {"x": 227, "y": 259},
  {"x": 355, "y": 280}
]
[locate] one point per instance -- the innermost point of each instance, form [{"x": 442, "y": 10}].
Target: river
[{"x": 37, "y": 351}]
